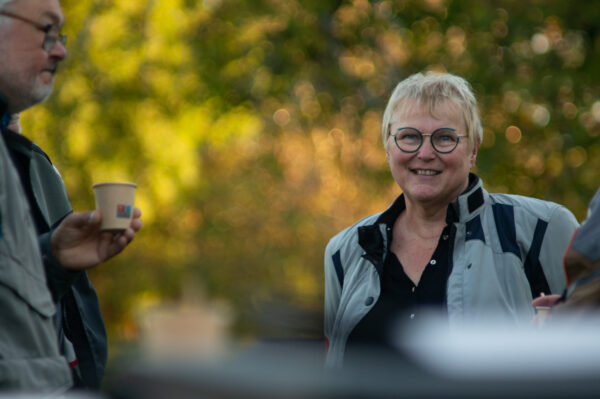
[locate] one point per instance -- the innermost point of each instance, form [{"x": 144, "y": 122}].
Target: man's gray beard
[{"x": 38, "y": 93}]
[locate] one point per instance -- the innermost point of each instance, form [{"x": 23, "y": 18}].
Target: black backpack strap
[{"x": 339, "y": 270}]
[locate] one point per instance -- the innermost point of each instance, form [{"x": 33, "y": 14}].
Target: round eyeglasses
[
  {"x": 444, "y": 140},
  {"x": 52, "y": 31}
]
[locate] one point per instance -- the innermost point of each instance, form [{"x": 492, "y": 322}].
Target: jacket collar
[
  {"x": 15, "y": 141},
  {"x": 4, "y": 115},
  {"x": 470, "y": 202},
  {"x": 374, "y": 239}
]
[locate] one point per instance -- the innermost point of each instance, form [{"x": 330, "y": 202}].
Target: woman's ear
[{"x": 474, "y": 153}]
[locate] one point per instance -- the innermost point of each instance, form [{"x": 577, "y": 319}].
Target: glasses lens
[
  {"x": 408, "y": 139},
  {"x": 444, "y": 140},
  {"x": 49, "y": 42},
  {"x": 51, "y": 39}
]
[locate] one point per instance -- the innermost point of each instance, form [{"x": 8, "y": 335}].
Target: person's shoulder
[
  {"x": 537, "y": 207},
  {"x": 595, "y": 204},
  {"x": 350, "y": 233},
  {"x": 40, "y": 152}
]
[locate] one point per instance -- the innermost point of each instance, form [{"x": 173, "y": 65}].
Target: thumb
[
  {"x": 94, "y": 217},
  {"x": 81, "y": 219}
]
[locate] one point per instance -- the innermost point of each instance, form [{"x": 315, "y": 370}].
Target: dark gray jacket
[
  {"x": 29, "y": 355},
  {"x": 78, "y": 321}
]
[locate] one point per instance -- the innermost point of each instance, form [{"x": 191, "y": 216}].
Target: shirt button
[
  {"x": 432, "y": 262},
  {"x": 369, "y": 301},
  {"x": 445, "y": 236},
  {"x": 413, "y": 289},
  {"x": 412, "y": 316}
]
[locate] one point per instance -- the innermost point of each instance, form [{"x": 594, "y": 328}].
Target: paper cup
[{"x": 115, "y": 202}]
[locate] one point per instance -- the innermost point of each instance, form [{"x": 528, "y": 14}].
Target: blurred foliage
[{"x": 252, "y": 128}]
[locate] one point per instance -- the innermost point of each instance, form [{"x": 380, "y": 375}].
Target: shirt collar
[{"x": 467, "y": 203}]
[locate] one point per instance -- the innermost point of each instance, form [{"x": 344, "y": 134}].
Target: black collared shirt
[{"x": 400, "y": 299}]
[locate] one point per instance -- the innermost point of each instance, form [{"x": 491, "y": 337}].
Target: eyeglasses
[
  {"x": 444, "y": 140},
  {"x": 52, "y": 31}
]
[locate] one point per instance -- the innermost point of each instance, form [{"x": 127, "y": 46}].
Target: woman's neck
[{"x": 426, "y": 221}]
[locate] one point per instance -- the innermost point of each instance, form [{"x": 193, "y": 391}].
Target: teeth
[{"x": 426, "y": 172}]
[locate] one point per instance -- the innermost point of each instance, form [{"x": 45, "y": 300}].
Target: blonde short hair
[{"x": 433, "y": 90}]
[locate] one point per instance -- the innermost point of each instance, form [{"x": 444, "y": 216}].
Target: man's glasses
[
  {"x": 52, "y": 31},
  {"x": 444, "y": 140}
]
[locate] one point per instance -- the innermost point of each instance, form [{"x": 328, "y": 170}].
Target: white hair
[{"x": 433, "y": 90}]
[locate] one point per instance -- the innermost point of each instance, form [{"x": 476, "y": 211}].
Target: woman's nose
[{"x": 426, "y": 150}]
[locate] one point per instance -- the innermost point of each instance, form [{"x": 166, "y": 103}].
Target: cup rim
[{"x": 114, "y": 183}]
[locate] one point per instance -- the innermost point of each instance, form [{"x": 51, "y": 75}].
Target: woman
[{"x": 445, "y": 243}]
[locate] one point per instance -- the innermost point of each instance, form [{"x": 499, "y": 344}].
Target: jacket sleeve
[
  {"x": 561, "y": 226},
  {"x": 333, "y": 291}
]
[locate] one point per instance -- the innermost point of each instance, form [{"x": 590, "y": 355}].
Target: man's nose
[{"x": 58, "y": 51}]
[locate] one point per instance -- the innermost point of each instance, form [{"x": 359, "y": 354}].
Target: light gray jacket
[
  {"x": 29, "y": 356},
  {"x": 507, "y": 249}
]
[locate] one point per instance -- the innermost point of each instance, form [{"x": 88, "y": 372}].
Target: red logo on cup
[{"x": 123, "y": 211}]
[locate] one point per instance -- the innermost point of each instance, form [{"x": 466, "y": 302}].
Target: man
[
  {"x": 31, "y": 49},
  {"x": 78, "y": 320},
  {"x": 582, "y": 261},
  {"x": 582, "y": 267}
]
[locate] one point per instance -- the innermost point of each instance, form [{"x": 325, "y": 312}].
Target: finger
[
  {"x": 90, "y": 217},
  {"x": 119, "y": 244},
  {"x": 136, "y": 224},
  {"x": 548, "y": 300},
  {"x": 80, "y": 219},
  {"x": 95, "y": 217},
  {"x": 129, "y": 234},
  {"x": 124, "y": 241},
  {"x": 113, "y": 244},
  {"x": 137, "y": 212}
]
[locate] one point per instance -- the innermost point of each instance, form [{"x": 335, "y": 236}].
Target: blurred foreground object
[
  {"x": 565, "y": 349},
  {"x": 489, "y": 360},
  {"x": 78, "y": 394}
]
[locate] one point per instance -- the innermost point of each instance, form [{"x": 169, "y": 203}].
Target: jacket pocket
[
  {"x": 47, "y": 374},
  {"x": 27, "y": 281}
]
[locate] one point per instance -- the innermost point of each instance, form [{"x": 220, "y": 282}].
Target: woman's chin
[{"x": 424, "y": 196}]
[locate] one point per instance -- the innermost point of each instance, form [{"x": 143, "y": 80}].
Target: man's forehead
[{"x": 38, "y": 9}]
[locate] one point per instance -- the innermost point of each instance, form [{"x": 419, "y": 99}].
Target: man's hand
[
  {"x": 78, "y": 243},
  {"x": 545, "y": 300}
]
